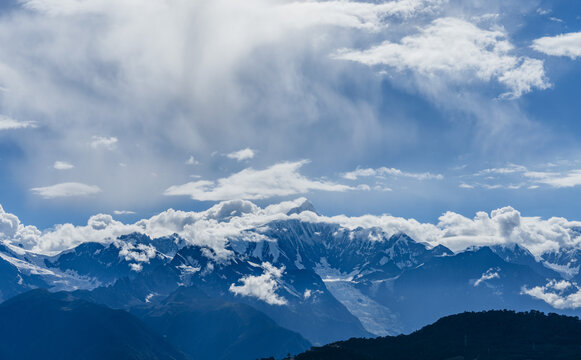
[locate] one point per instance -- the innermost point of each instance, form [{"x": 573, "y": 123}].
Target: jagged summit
[{"x": 305, "y": 205}]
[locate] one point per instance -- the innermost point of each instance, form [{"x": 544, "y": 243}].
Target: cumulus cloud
[
  {"x": 62, "y": 165},
  {"x": 7, "y": 123},
  {"x": 108, "y": 143},
  {"x": 459, "y": 51},
  {"x": 561, "y": 45},
  {"x": 282, "y": 179},
  {"x": 559, "y": 294},
  {"x": 13, "y": 231},
  {"x": 67, "y": 189},
  {"x": 384, "y": 171},
  {"x": 240, "y": 155},
  {"x": 263, "y": 286}
]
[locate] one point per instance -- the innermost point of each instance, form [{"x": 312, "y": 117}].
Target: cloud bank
[{"x": 238, "y": 219}]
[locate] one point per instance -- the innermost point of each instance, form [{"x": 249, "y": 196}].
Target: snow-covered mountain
[{"x": 323, "y": 279}]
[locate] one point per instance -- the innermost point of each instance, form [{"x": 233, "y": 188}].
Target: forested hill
[{"x": 483, "y": 335}]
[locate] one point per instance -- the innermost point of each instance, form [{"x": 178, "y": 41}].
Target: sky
[{"x": 407, "y": 107}]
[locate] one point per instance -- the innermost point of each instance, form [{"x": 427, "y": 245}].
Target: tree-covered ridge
[{"x": 495, "y": 335}]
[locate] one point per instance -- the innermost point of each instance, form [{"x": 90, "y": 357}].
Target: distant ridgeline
[{"x": 490, "y": 335}]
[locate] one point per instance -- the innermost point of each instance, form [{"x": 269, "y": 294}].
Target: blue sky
[{"x": 407, "y": 107}]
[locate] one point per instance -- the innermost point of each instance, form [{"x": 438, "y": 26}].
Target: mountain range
[{"x": 280, "y": 287}]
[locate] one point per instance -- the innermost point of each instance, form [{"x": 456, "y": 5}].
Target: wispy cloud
[
  {"x": 123, "y": 212},
  {"x": 492, "y": 273},
  {"x": 67, "y": 189},
  {"x": 7, "y": 123},
  {"x": 108, "y": 143},
  {"x": 384, "y": 171},
  {"x": 192, "y": 161},
  {"x": 515, "y": 177},
  {"x": 240, "y": 155},
  {"x": 62, "y": 165},
  {"x": 509, "y": 169},
  {"x": 282, "y": 179},
  {"x": 460, "y": 52},
  {"x": 568, "y": 179}
]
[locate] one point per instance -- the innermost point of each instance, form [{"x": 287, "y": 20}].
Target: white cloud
[
  {"x": 263, "y": 286},
  {"x": 108, "y": 143},
  {"x": 62, "y": 165},
  {"x": 510, "y": 169},
  {"x": 559, "y": 294},
  {"x": 123, "y": 212},
  {"x": 561, "y": 45},
  {"x": 298, "y": 13},
  {"x": 282, "y": 179},
  {"x": 518, "y": 177},
  {"x": 237, "y": 219},
  {"x": 66, "y": 190},
  {"x": 459, "y": 51},
  {"x": 506, "y": 226},
  {"x": 240, "y": 155},
  {"x": 192, "y": 161},
  {"x": 7, "y": 123},
  {"x": 384, "y": 171},
  {"x": 139, "y": 253},
  {"x": 12, "y": 230},
  {"x": 492, "y": 273},
  {"x": 569, "y": 179}
]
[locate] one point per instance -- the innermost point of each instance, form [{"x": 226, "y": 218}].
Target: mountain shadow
[{"x": 43, "y": 325}]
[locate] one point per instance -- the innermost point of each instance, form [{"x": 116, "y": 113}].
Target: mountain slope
[
  {"x": 43, "y": 325},
  {"x": 210, "y": 328}
]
